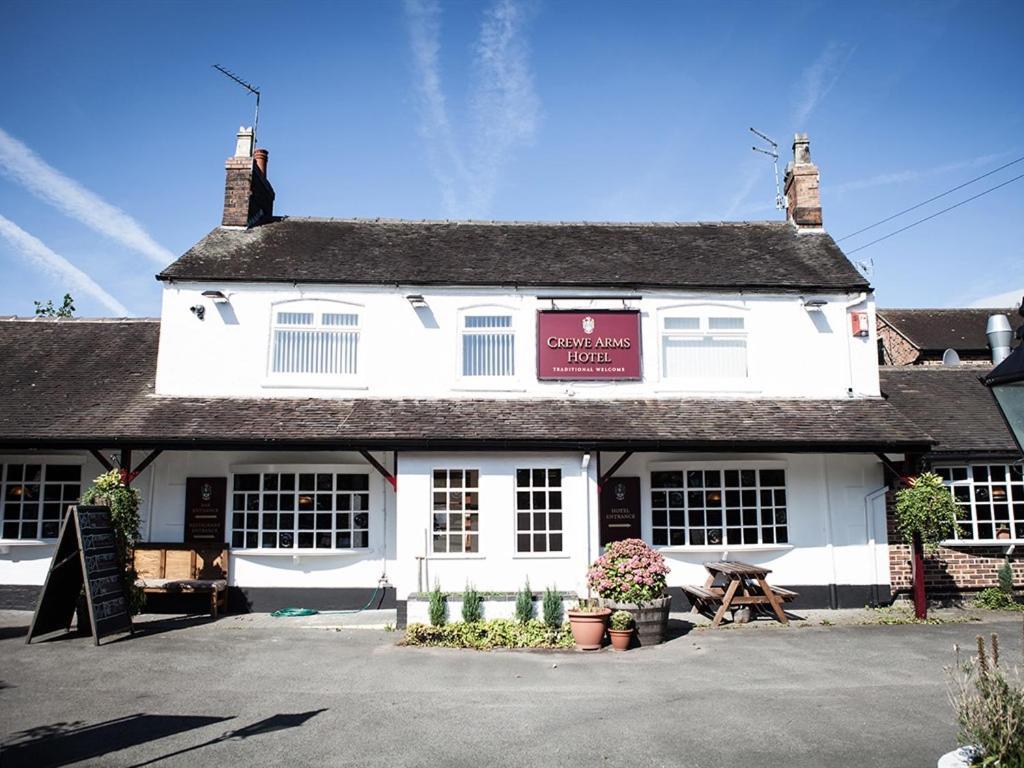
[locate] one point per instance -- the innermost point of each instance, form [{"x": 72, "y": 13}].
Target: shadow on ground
[{"x": 64, "y": 743}]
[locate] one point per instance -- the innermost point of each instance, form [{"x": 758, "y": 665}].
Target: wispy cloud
[
  {"x": 503, "y": 105},
  {"x": 902, "y": 177},
  {"x": 25, "y": 167},
  {"x": 1000, "y": 300},
  {"x": 77, "y": 282},
  {"x": 818, "y": 79}
]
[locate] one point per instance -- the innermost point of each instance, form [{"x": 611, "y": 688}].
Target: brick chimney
[
  {"x": 803, "y": 199},
  {"x": 248, "y": 196}
]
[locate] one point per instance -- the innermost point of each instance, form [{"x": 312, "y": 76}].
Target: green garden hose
[{"x": 289, "y": 612}]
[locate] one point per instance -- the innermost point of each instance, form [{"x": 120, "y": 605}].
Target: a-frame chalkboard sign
[{"x": 86, "y": 554}]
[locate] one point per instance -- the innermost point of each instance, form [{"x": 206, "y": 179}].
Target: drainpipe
[
  {"x": 833, "y": 592},
  {"x": 585, "y": 466},
  {"x": 849, "y": 338},
  {"x": 869, "y": 517}
]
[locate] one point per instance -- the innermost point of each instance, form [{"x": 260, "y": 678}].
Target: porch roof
[{"x": 89, "y": 384}]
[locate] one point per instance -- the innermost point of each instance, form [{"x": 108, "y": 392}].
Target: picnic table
[{"x": 745, "y": 585}]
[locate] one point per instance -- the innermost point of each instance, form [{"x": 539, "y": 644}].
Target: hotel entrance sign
[
  {"x": 205, "y": 509},
  {"x": 577, "y": 345}
]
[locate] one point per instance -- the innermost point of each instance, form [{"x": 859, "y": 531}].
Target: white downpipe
[
  {"x": 829, "y": 536},
  {"x": 585, "y": 466},
  {"x": 869, "y": 519},
  {"x": 152, "y": 490},
  {"x": 849, "y": 337}
]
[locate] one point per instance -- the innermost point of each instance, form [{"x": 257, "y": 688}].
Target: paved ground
[{"x": 254, "y": 692}]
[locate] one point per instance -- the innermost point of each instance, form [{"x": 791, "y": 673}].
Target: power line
[
  {"x": 929, "y": 200},
  {"x": 938, "y": 213}
]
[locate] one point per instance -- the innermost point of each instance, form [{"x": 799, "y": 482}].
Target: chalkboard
[{"x": 85, "y": 554}]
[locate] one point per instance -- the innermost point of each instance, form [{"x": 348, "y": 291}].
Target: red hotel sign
[{"x": 591, "y": 344}]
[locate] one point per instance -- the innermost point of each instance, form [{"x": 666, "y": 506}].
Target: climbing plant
[{"x": 926, "y": 508}]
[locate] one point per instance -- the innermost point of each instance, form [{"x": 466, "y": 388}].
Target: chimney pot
[
  {"x": 244, "y": 142},
  {"x": 260, "y": 157}
]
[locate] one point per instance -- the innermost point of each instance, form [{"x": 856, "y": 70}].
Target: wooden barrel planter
[{"x": 650, "y": 619}]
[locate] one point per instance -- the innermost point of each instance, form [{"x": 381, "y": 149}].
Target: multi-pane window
[
  {"x": 488, "y": 345},
  {"x": 710, "y": 507},
  {"x": 703, "y": 347},
  {"x": 300, "y": 510},
  {"x": 538, "y": 510},
  {"x": 34, "y": 498},
  {"x": 315, "y": 342},
  {"x": 456, "y": 510},
  {"x": 989, "y": 500}
]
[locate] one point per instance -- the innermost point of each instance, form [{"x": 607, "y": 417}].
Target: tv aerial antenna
[
  {"x": 256, "y": 92},
  {"x": 773, "y": 153}
]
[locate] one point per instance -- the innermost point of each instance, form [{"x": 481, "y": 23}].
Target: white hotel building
[{"x": 405, "y": 403}]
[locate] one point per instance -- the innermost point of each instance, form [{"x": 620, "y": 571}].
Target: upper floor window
[
  {"x": 989, "y": 500},
  {"x": 318, "y": 338},
  {"x": 35, "y": 496},
  {"x": 703, "y": 345},
  {"x": 488, "y": 344}
]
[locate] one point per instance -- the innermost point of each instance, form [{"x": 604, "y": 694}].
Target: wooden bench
[
  {"x": 746, "y": 585},
  {"x": 184, "y": 569}
]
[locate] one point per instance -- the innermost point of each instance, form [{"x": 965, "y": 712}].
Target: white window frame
[
  {"x": 704, "y": 312},
  {"x": 448, "y": 512},
  {"x": 720, "y": 466},
  {"x": 373, "y": 516},
  {"x": 491, "y": 383},
  {"x": 547, "y": 489},
  {"x": 44, "y": 462},
  {"x": 318, "y": 308},
  {"x": 1014, "y": 501}
]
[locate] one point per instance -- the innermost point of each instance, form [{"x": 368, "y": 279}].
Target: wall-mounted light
[
  {"x": 218, "y": 297},
  {"x": 198, "y": 310},
  {"x": 416, "y": 300},
  {"x": 814, "y": 305}
]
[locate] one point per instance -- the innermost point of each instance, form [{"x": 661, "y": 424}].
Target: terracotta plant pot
[
  {"x": 650, "y": 620},
  {"x": 621, "y": 638},
  {"x": 588, "y": 628}
]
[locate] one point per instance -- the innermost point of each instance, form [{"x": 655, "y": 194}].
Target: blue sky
[{"x": 114, "y": 128}]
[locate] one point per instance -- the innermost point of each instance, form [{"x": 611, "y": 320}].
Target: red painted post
[{"x": 920, "y": 599}]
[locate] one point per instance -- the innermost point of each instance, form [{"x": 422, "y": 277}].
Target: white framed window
[
  {"x": 456, "y": 511},
  {"x": 314, "y": 339},
  {"x": 718, "y": 506},
  {"x": 297, "y": 510},
  {"x": 487, "y": 344},
  {"x": 703, "y": 343},
  {"x": 989, "y": 500},
  {"x": 539, "y": 510},
  {"x": 34, "y": 497}
]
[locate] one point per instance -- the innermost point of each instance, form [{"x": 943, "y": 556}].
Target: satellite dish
[{"x": 950, "y": 358}]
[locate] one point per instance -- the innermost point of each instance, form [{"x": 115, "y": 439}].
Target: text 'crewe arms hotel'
[{"x": 588, "y": 344}]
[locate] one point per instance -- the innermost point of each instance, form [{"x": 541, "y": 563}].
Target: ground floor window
[
  {"x": 35, "y": 496},
  {"x": 456, "y": 523},
  {"x": 989, "y": 500},
  {"x": 709, "y": 507},
  {"x": 539, "y": 510},
  {"x": 300, "y": 510}
]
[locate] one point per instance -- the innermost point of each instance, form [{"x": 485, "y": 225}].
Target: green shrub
[
  {"x": 524, "y": 604},
  {"x": 1005, "y": 574},
  {"x": 996, "y": 599},
  {"x": 553, "y": 614},
  {"x": 438, "y": 606},
  {"x": 472, "y": 605},
  {"x": 926, "y": 508},
  {"x": 484, "y": 635},
  {"x": 621, "y": 620},
  {"x": 989, "y": 707},
  {"x": 107, "y": 490}
]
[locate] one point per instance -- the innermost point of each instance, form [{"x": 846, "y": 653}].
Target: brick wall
[
  {"x": 898, "y": 351},
  {"x": 950, "y": 571}
]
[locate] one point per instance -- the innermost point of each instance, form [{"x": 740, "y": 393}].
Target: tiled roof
[
  {"x": 936, "y": 330},
  {"x": 951, "y": 405},
  {"x": 90, "y": 384},
  {"x": 760, "y": 256}
]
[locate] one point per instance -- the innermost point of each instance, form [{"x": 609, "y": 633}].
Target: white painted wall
[
  {"x": 404, "y": 352},
  {"x": 830, "y": 513}
]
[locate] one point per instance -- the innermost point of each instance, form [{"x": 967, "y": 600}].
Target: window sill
[
  {"x": 727, "y": 548},
  {"x": 541, "y": 556},
  {"x": 444, "y": 556},
  {"x": 291, "y": 384},
  {"x": 300, "y": 553},
  {"x": 953, "y": 543},
  {"x": 27, "y": 542}
]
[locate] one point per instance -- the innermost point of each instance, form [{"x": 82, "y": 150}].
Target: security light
[
  {"x": 814, "y": 304},
  {"x": 219, "y": 297},
  {"x": 198, "y": 310},
  {"x": 416, "y": 300}
]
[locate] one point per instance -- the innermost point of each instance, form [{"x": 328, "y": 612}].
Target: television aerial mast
[
  {"x": 256, "y": 92},
  {"x": 773, "y": 153}
]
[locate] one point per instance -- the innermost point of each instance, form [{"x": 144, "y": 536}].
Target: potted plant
[
  {"x": 630, "y": 576},
  {"x": 925, "y": 516},
  {"x": 587, "y": 621},
  {"x": 620, "y": 630}
]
